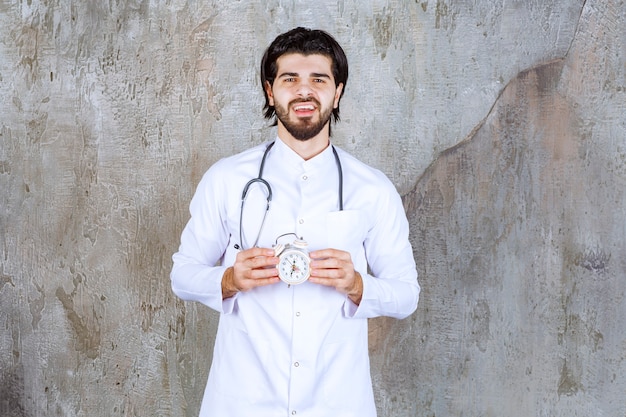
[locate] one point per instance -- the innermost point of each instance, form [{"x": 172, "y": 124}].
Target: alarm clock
[{"x": 294, "y": 266}]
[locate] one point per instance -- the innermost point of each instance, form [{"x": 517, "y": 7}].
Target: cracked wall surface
[{"x": 501, "y": 123}]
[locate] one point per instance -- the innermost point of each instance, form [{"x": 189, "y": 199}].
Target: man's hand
[
  {"x": 252, "y": 268},
  {"x": 334, "y": 268}
]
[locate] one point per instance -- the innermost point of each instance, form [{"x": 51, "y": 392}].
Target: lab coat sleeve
[
  {"x": 392, "y": 288},
  {"x": 196, "y": 274}
]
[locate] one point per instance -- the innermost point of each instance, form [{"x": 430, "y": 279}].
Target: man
[{"x": 296, "y": 350}]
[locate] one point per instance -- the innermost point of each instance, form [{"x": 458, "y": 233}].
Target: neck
[{"x": 308, "y": 148}]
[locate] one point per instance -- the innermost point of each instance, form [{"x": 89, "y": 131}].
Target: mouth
[{"x": 304, "y": 109}]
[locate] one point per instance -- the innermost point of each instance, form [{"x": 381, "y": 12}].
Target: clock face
[{"x": 293, "y": 267}]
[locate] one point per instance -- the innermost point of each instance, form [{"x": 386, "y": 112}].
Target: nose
[{"x": 304, "y": 89}]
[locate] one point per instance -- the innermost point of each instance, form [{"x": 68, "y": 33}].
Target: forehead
[{"x": 304, "y": 64}]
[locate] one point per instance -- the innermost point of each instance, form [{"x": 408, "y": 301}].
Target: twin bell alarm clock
[{"x": 294, "y": 266}]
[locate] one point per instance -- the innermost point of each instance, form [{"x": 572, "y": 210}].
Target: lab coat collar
[{"x": 289, "y": 157}]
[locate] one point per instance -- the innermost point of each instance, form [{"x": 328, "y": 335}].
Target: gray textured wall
[{"x": 502, "y": 123}]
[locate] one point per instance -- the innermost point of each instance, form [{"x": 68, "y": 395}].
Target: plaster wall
[{"x": 502, "y": 124}]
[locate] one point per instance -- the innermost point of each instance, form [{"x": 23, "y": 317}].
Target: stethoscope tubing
[{"x": 259, "y": 179}]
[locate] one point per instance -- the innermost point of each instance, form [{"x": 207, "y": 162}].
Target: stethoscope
[{"x": 259, "y": 179}]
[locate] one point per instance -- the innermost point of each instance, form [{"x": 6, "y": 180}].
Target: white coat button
[
  {"x": 304, "y": 178},
  {"x": 296, "y": 364},
  {"x": 301, "y": 221}
]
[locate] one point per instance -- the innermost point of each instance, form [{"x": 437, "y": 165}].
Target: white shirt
[{"x": 300, "y": 350}]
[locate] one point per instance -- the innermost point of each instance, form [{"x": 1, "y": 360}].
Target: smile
[{"x": 304, "y": 107}]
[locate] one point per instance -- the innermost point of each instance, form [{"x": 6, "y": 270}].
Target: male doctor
[{"x": 291, "y": 348}]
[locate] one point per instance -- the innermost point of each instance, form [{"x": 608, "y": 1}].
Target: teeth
[{"x": 304, "y": 107}]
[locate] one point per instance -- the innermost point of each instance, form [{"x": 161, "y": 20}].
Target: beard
[{"x": 303, "y": 129}]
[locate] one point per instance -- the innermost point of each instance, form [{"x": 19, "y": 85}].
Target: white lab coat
[{"x": 299, "y": 350}]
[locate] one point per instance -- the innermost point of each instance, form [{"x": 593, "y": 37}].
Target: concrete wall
[{"x": 502, "y": 123}]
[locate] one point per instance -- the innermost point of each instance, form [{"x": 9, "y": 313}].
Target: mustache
[{"x": 305, "y": 100}]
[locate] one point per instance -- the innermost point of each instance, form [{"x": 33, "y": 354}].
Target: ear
[
  {"x": 338, "y": 91},
  {"x": 269, "y": 93}
]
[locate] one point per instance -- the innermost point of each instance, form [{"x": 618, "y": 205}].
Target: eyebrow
[{"x": 312, "y": 75}]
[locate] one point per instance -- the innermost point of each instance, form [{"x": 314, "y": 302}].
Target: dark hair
[{"x": 306, "y": 42}]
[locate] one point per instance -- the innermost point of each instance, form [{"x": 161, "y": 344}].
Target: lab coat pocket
[
  {"x": 346, "y": 230},
  {"x": 240, "y": 367},
  {"x": 347, "y": 383}
]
